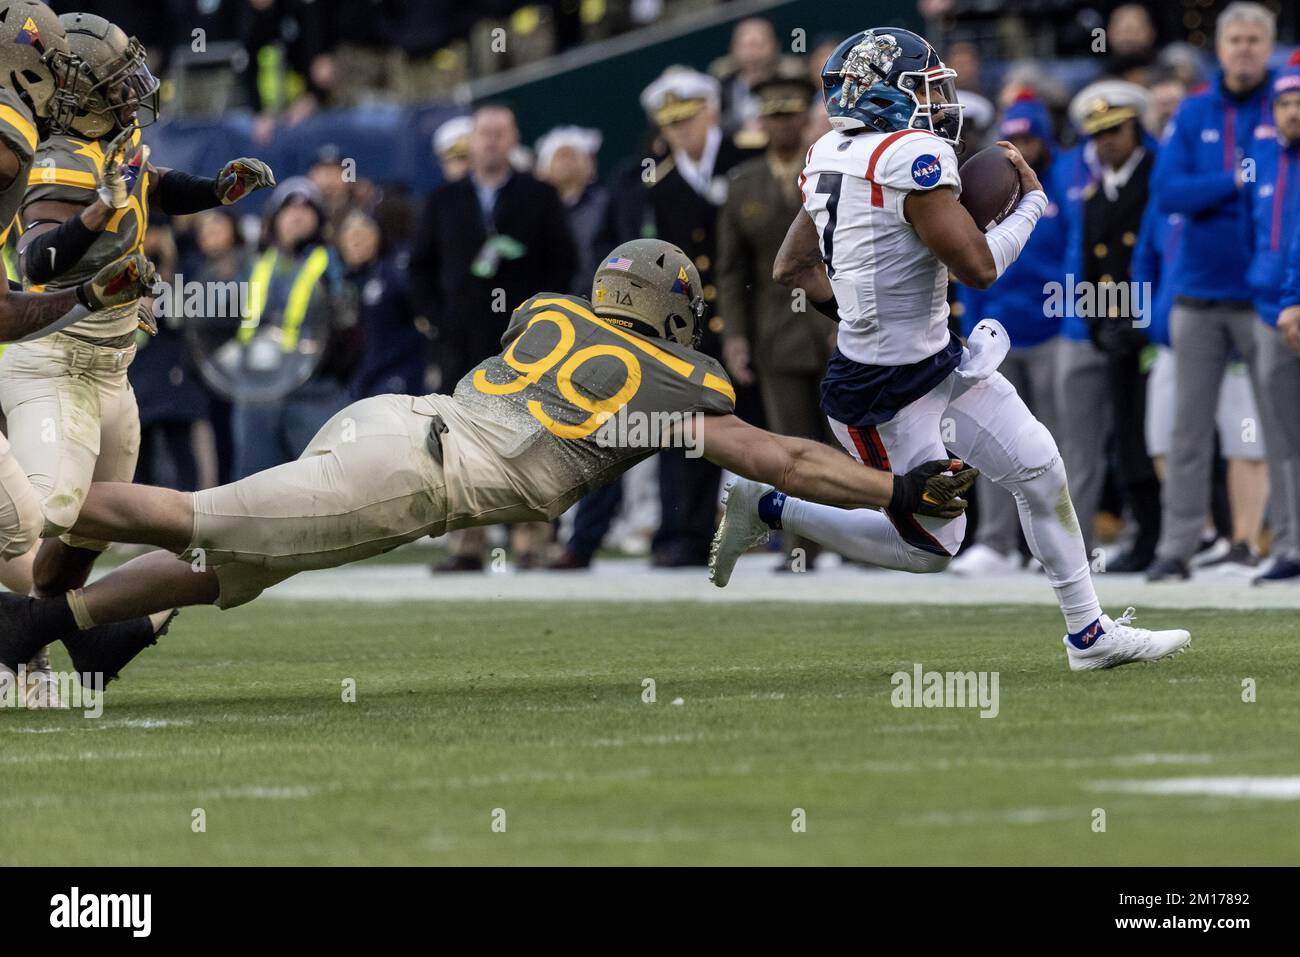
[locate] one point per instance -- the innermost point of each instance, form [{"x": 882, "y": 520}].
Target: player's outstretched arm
[
  {"x": 23, "y": 314},
  {"x": 819, "y": 473},
  {"x": 179, "y": 194},
  {"x": 30, "y": 315}
]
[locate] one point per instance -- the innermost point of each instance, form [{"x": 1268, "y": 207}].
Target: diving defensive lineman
[
  {"x": 87, "y": 204},
  {"x": 520, "y": 440},
  {"x": 880, "y": 229}
]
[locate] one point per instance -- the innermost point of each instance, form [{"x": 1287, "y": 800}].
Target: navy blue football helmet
[{"x": 887, "y": 79}]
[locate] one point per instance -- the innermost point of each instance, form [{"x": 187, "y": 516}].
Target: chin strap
[{"x": 626, "y": 322}]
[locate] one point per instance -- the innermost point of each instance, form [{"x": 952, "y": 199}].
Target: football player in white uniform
[{"x": 880, "y": 230}]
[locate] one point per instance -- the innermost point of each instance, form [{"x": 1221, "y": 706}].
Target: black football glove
[{"x": 926, "y": 490}]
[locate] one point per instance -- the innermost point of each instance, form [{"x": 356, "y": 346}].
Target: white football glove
[{"x": 986, "y": 347}]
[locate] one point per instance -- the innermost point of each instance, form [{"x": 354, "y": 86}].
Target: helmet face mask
[
  {"x": 688, "y": 331},
  {"x": 937, "y": 108},
  {"x": 109, "y": 86}
]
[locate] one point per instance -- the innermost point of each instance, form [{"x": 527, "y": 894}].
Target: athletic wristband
[
  {"x": 180, "y": 193},
  {"x": 830, "y": 307},
  {"x": 906, "y": 495},
  {"x": 57, "y": 250}
]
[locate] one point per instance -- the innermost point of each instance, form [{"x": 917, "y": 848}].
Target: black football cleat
[
  {"x": 20, "y": 635},
  {"x": 107, "y": 649}
]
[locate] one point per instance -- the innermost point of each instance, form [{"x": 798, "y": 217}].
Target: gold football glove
[
  {"x": 240, "y": 177},
  {"x": 120, "y": 282}
]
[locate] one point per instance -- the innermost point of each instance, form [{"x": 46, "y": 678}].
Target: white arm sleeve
[{"x": 1008, "y": 237}]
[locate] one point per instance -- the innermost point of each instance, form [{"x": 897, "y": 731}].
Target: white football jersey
[{"x": 890, "y": 289}]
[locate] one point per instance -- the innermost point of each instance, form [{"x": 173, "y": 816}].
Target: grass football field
[{"x": 516, "y": 733}]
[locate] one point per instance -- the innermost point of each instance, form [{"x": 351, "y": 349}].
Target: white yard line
[
  {"x": 1239, "y": 786},
  {"x": 633, "y": 580}
]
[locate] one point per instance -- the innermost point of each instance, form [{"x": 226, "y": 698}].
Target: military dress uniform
[
  {"x": 71, "y": 411},
  {"x": 789, "y": 346},
  {"x": 1110, "y": 228},
  {"x": 685, "y": 197}
]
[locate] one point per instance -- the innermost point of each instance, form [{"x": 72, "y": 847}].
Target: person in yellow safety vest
[{"x": 292, "y": 314}]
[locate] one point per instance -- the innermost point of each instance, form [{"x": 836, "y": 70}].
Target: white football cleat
[
  {"x": 980, "y": 561},
  {"x": 42, "y": 687},
  {"x": 740, "y": 530},
  {"x": 1120, "y": 643}
]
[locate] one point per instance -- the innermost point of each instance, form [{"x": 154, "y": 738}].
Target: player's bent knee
[
  {"x": 928, "y": 562},
  {"x": 921, "y": 561},
  {"x": 1034, "y": 453},
  {"x": 19, "y": 533},
  {"x": 21, "y": 521},
  {"x": 239, "y": 583},
  {"x": 59, "y": 511}
]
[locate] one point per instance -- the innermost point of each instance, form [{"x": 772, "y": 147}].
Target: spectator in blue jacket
[
  {"x": 1153, "y": 262},
  {"x": 1200, "y": 174},
  {"x": 1016, "y": 301},
  {"x": 1274, "y": 202}
]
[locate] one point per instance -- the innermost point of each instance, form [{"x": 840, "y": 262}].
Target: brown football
[{"x": 990, "y": 186}]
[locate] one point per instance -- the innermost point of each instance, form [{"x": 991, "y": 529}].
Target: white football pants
[{"x": 987, "y": 425}]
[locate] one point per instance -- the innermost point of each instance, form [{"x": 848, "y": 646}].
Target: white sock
[
  {"x": 862, "y": 534},
  {"x": 1052, "y": 530}
]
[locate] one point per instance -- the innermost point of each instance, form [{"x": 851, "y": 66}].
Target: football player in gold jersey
[
  {"x": 71, "y": 410},
  {"x": 580, "y": 393},
  {"x": 37, "y": 68}
]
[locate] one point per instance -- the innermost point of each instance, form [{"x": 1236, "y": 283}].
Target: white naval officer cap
[
  {"x": 580, "y": 138},
  {"x": 678, "y": 94},
  {"x": 452, "y": 137},
  {"x": 1106, "y": 103}
]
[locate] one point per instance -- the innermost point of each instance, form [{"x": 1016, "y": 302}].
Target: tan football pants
[
  {"x": 369, "y": 481},
  {"x": 72, "y": 420},
  {"x": 20, "y": 508}
]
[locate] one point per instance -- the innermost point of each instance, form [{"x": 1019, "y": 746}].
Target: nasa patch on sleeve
[{"x": 926, "y": 170}]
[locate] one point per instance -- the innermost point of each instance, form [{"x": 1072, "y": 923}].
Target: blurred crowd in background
[
  {"x": 292, "y": 57},
  {"x": 409, "y": 292}
]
